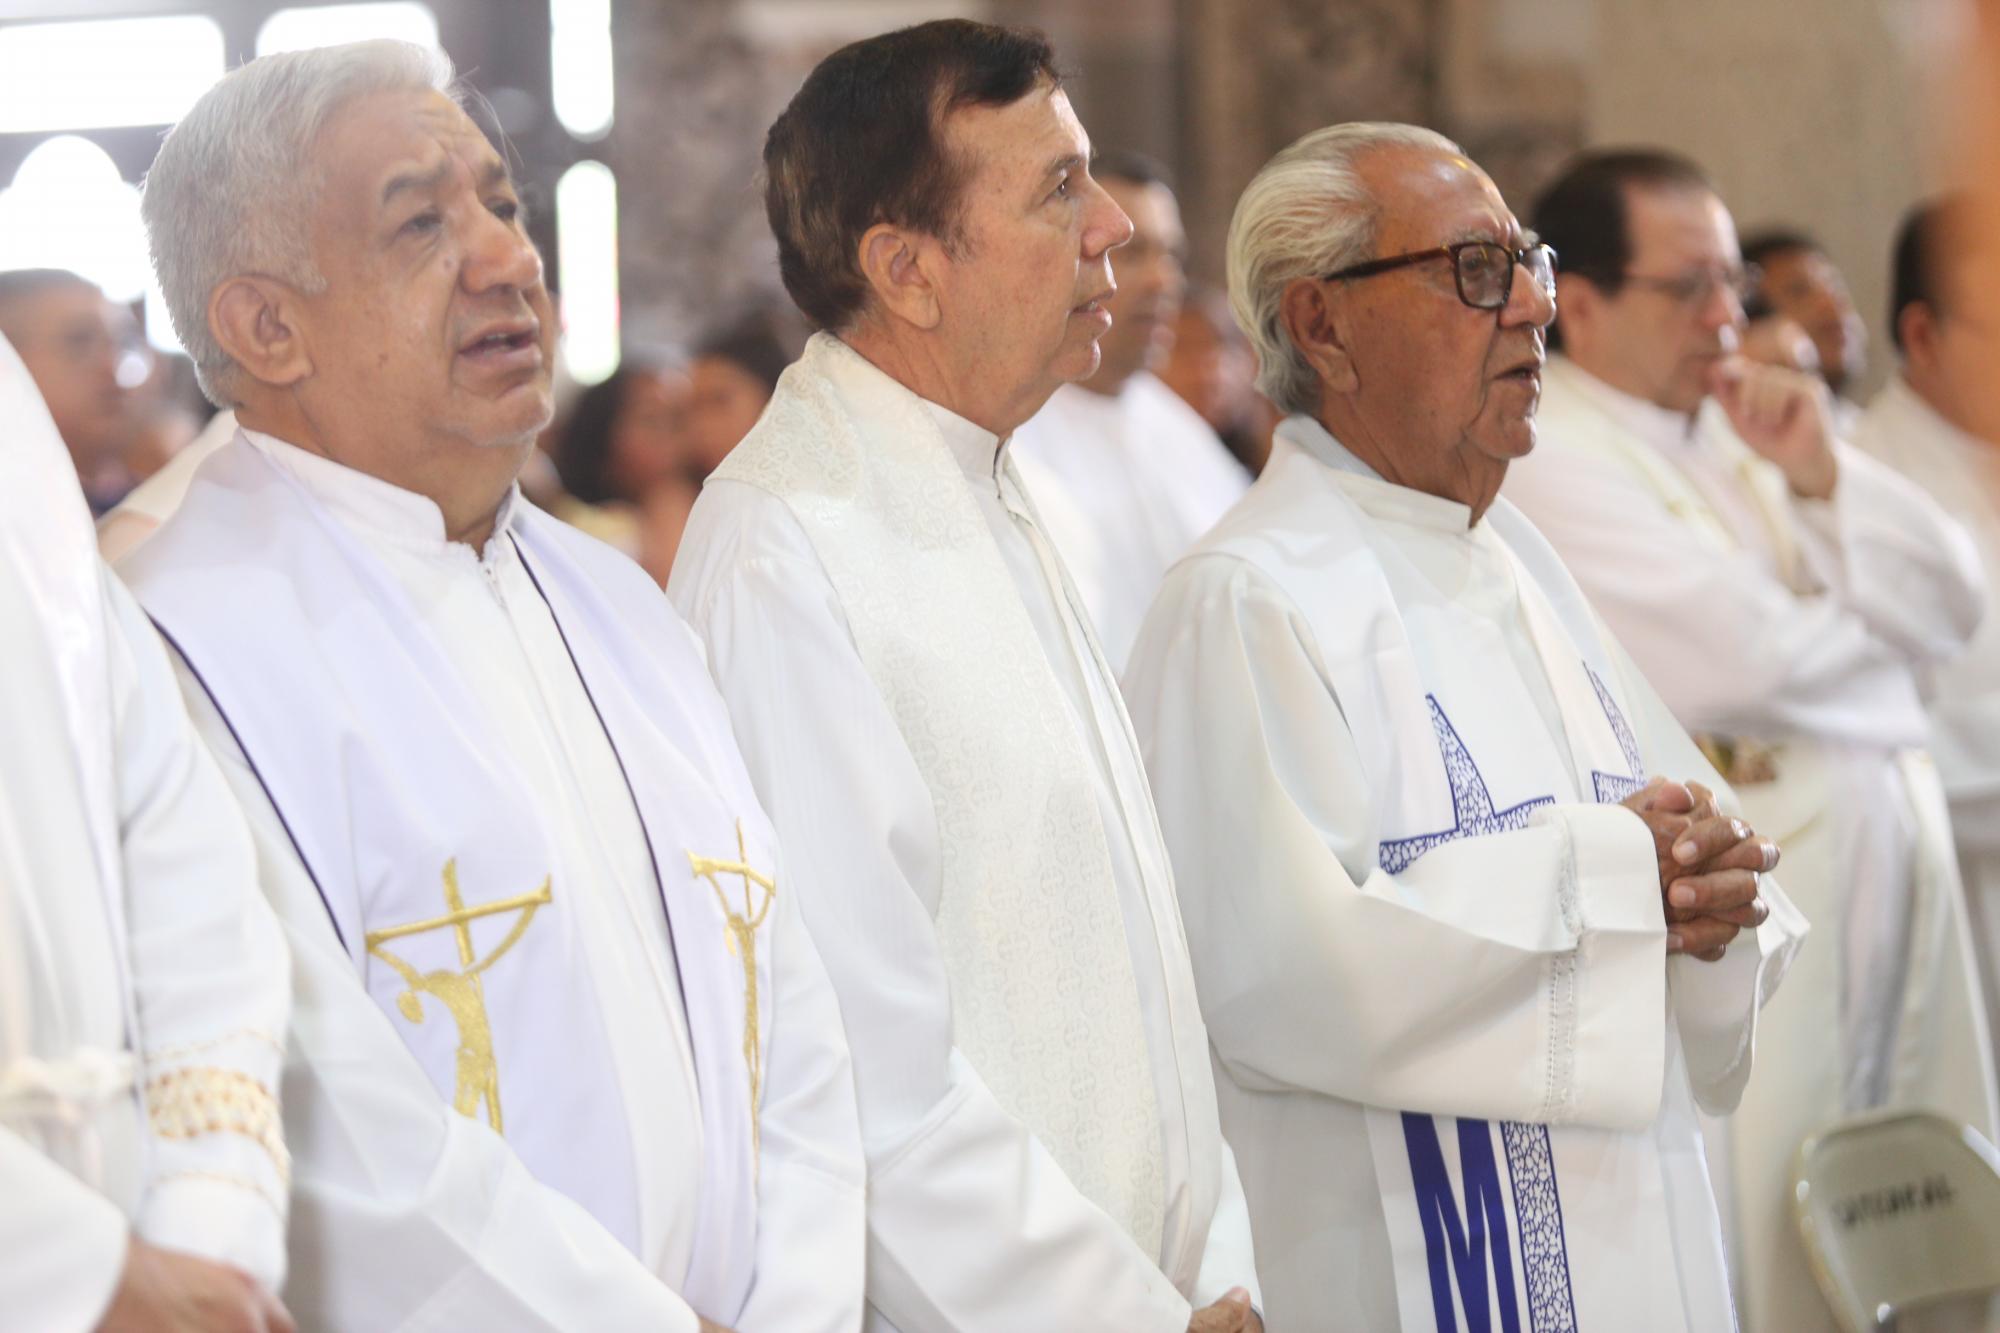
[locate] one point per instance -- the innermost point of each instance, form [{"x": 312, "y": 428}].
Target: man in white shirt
[
  {"x": 143, "y": 994},
  {"x": 1934, "y": 423},
  {"x": 1798, "y": 279},
  {"x": 1789, "y": 597},
  {"x": 926, "y": 712},
  {"x": 563, "y": 1054},
  {"x": 1447, "y": 933},
  {"x": 1126, "y": 475}
]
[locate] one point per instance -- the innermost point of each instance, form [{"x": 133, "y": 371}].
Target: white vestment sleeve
[
  {"x": 209, "y": 973},
  {"x": 811, "y": 1184},
  {"x": 1728, "y": 645},
  {"x": 62, "y": 1244},
  {"x": 405, "y": 1214},
  {"x": 971, "y": 1224},
  {"x": 1516, "y": 975},
  {"x": 1715, "y": 1004},
  {"x": 1895, "y": 557}
]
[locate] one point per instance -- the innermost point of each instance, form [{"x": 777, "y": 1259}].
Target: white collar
[
  {"x": 372, "y": 508},
  {"x": 1897, "y": 396},
  {"x": 1659, "y": 426},
  {"x": 1379, "y": 499},
  {"x": 977, "y": 450}
]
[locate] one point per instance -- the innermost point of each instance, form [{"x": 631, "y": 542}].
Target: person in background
[
  {"x": 74, "y": 343},
  {"x": 1212, "y": 368},
  {"x": 1800, "y": 281},
  {"x": 1124, "y": 473},
  {"x": 1937, "y": 424},
  {"x": 733, "y": 374},
  {"x": 1790, "y": 598},
  {"x": 624, "y": 456}
]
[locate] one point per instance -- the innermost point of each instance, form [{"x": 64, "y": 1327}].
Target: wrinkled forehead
[
  {"x": 1019, "y": 139},
  {"x": 1426, "y": 198},
  {"x": 382, "y": 141}
]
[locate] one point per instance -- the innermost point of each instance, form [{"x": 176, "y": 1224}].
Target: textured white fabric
[
  {"x": 1407, "y": 898},
  {"x": 1125, "y": 483},
  {"x": 1043, "y": 996},
  {"x": 973, "y": 1221},
  {"x": 531, "y": 712},
  {"x": 1811, "y": 626},
  {"x": 136, "y": 958}
]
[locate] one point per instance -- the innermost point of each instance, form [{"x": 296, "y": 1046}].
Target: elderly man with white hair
[
  {"x": 1468, "y": 971},
  {"x": 563, "y": 1055}
]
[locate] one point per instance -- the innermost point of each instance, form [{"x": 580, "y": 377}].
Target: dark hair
[
  {"x": 862, "y": 143},
  {"x": 583, "y": 445},
  {"x": 1583, "y": 213},
  {"x": 754, "y": 344},
  {"x": 1763, "y": 246},
  {"x": 1921, "y": 245},
  {"x": 1122, "y": 164}
]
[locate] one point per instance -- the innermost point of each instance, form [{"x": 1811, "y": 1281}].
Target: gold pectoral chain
[
  {"x": 742, "y": 942},
  {"x": 462, "y": 993}
]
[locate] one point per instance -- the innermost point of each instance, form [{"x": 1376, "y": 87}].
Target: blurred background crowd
[{"x": 636, "y": 127}]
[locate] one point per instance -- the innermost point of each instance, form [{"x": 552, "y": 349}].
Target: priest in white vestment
[
  {"x": 563, "y": 1054},
  {"x": 143, "y": 996},
  {"x": 1467, "y": 973},
  {"x": 927, "y": 714},
  {"x": 1124, "y": 474},
  {"x": 1932, "y": 422},
  {"x": 1792, "y": 599}
]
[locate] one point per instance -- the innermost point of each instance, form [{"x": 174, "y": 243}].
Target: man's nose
[
  {"x": 1105, "y": 226},
  {"x": 499, "y": 254},
  {"x": 1528, "y": 302},
  {"x": 1722, "y": 308}
]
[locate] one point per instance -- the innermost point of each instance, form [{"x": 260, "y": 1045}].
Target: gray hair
[
  {"x": 1306, "y": 213},
  {"x": 233, "y": 186}
]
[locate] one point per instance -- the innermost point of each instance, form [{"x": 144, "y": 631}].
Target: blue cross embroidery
[
  {"x": 1471, "y": 803},
  {"x": 1529, "y": 1153}
]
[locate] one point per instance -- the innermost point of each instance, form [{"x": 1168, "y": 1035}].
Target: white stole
[
  {"x": 1044, "y": 1002},
  {"x": 1523, "y": 1227},
  {"x": 428, "y": 851}
]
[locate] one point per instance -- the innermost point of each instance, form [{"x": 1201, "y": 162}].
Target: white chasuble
[
  {"x": 1420, "y": 932},
  {"x": 1058, "y": 1039},
  {"x": 458, "y": 909}
]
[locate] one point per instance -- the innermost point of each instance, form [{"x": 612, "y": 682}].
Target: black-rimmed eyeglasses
[{"x": 1484, "y": 270}]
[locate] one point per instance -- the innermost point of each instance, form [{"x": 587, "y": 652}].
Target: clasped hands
[{"x": 1709, "y": 865}]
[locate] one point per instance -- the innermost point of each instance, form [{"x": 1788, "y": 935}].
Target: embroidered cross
[
  {"x": 463, "y": 994},
  {"x": 742, "y": 942}
]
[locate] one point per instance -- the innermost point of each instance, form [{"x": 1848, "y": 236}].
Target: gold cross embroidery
[
  {"x": 462, "y": 994},
  {"x": 742, "y": 942}
]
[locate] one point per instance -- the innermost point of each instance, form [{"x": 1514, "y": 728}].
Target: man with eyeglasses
[
  {"x": 72, "y": 339},
  {"x": 1468, "y": 966},
  {"x": 1791, "y": 598}
]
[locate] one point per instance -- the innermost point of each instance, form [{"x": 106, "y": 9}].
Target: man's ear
[
  {"x": 256, "y": 321},
  {"x": 897, "y": 264},
  {"x": 1309, "y": 317},
  {"x": 1918, "y": 326}
]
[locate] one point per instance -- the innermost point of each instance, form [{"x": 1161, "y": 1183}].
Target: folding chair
[{"x": 1898, "y": 1210}]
